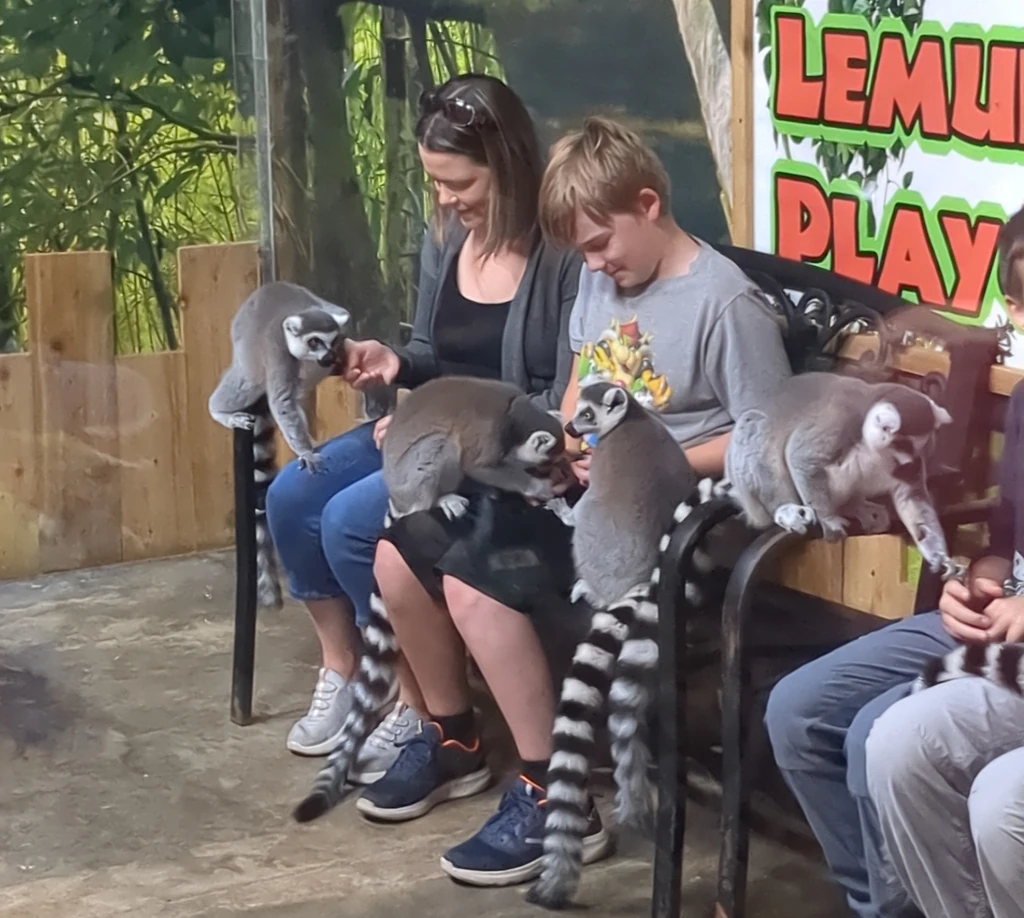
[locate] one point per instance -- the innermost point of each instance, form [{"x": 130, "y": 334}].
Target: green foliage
[{"x": 118, "y": 131}]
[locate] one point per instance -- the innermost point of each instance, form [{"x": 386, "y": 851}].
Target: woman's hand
[
  {"x": 380, "y": 428},
  {"x": 368, "y": 362}
]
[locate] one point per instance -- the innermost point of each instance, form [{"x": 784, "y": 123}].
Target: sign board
[{"x": 890, "y": 148}]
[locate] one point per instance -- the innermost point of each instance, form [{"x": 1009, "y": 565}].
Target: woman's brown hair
[{"x": 480, "y": 117}]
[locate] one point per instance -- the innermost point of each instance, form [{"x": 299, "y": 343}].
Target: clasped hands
[{"x": 980, "y": 613}]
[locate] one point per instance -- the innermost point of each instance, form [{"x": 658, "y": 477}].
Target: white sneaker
[
  {"x": 319, "y": 731},
  {"x": 382, "y": 746}
]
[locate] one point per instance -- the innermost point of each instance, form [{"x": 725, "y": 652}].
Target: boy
[
  {"x": 707, "y": 346},
  {"x": 906, "y": 788},
  {"x": 658, "y": 311}
]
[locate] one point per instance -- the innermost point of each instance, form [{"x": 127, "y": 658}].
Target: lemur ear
[
  {"x": 292, "y": 326},
  {"x": 615, "y": 397},
  {"x": 556, "y": 414}
]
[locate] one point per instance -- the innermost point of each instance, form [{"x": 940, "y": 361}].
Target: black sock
[
  {"x": 459, "y": 727},
  {"x": 536, "y": 772}
]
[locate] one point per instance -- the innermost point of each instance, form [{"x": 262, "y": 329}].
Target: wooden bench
[{"x": 820, "y": 309}]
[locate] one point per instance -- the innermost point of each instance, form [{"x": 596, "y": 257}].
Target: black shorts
[{"x": 518, "y": 554}]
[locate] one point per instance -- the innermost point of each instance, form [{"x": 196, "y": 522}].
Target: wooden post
[
  {"x": 71, "y": 340},
  {"x": 213, "y": 280},
  {"x": 19, "y": 468}
]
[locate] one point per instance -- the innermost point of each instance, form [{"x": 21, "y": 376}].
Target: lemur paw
[
  {"x": 241, "y": 420},
  {"x": 932, "y": 545},
  {"x": 453, "y": 505},
  {"x": 873, "y": 518},
  {"x": 312, "y": 462},
  {"x": 833, "y": 528},
  {"x": 795, "y": 518},
  {"x": 722, "y": 489},
  {"x": 580, "y": 590},
  {"x": 948, "y": 568}
]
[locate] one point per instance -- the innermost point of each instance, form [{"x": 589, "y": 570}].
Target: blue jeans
[
  {"x": 325, "y": 525},
  {"x": 818, "y": 719}
]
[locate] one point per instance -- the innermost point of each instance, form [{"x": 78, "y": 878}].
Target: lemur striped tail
[
  {"x": 623, "y": 637},
  {"x": 374, "y": 685},
  {"x": 264, "y": 460},
  {"x": 1002, "y": 664},
  {"x": 573, "y": 747},
  {"x": 629, "y": 699}
]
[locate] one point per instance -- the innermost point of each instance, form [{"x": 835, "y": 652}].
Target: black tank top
[{"x": 467, "y": 334}]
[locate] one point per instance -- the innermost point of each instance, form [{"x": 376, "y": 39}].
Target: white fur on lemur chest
[{"x": 863, "y": 473}]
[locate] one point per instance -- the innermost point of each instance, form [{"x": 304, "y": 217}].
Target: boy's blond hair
[{"x": 599, "y": 170}]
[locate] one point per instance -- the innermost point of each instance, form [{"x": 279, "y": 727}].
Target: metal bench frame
[{"x": 836, "y": 302}]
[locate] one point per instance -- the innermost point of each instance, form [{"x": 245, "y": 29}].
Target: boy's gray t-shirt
[{"x": 698, "y": 349}]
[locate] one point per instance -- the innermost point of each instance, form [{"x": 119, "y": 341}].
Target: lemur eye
[{"x": 314, "y": 343}]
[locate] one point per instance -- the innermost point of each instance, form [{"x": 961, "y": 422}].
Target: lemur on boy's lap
[{"x": 446, "y": 430}]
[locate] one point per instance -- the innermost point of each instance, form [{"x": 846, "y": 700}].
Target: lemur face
[
  {"x": 908, "y": 434},
  {"x": 317, "y": 335},
  {"x": 600, "y": 408}
]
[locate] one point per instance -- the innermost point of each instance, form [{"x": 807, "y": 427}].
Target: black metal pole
[{"x": 244, "y": 657}]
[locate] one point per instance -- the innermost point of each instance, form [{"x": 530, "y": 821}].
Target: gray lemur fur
[
  {"x": 457, "y": 426},
  {"x": 444, "y": 430},
  {"x": 284, "y": 340},
  {"x": 824, "y": 447},
  {"x": 641, "y": 486}
]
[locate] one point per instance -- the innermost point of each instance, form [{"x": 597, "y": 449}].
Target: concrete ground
[{"x": 125, "y": 789}]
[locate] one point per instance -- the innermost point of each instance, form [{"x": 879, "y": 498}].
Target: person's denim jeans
[
  {"x": 325, "y": 525},
  {"x": 818, "y": 719}
]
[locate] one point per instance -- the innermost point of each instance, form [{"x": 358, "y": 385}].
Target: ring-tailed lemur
[
  {"x": 824, "y": 447},
  {"x": 1001, "y": 663},
  {"x": 284, "y": 340},
  {"x": 641, "y": 486},
  {"x": 443, "y": 431}
]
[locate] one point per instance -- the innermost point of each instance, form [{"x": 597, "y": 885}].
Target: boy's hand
[
  {"x": 581, "y": 469},
  {"x": 961, "y": 612}
]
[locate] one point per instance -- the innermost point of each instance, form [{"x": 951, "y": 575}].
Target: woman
[
  {"x": 445, "y": 591},
  {"x": 493, "y": 301}
]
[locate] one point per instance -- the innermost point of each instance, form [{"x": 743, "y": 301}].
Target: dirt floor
[{"x": 125, "y": 789}]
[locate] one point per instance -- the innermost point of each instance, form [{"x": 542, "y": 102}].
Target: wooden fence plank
[
  {"x": 157, "y": 506},
  {"x": 337, "y": 406},
  {"x": 19, "y": 469},
  {"x": 213, "y": 281},
  {"x": 71, "y": 314}
]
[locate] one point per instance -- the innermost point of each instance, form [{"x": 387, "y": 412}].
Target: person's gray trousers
[{"x": 945, "y": 771}]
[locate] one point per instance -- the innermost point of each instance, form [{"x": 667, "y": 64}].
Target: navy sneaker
[
  {"x": 429, "y": 770},
  {"x": 509, "y": 847}
]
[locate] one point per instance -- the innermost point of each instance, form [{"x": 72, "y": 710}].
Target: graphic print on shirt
[{"x": 622, "y": 355}]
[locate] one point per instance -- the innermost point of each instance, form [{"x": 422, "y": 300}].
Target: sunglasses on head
[{"x": 456, "y": 111}]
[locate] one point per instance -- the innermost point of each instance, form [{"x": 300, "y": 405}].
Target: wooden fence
[{"x": 105, "y": 457}]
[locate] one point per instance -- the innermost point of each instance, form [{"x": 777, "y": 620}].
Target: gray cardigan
[{"x": 535, "y": 353}]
